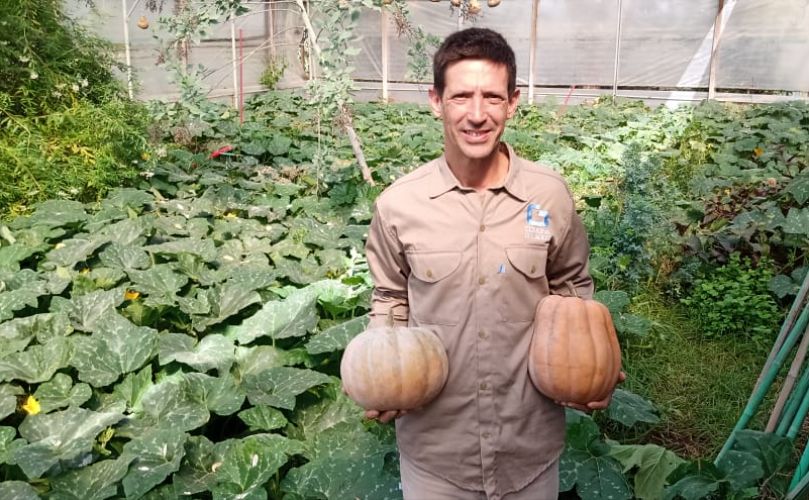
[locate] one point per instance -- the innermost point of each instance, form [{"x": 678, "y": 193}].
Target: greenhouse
[{"x": 378, "y": 249}]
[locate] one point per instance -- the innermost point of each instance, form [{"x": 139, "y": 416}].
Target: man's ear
[
  {"x": 513, "y": 102},
  {"x": 435, "y": 102}
]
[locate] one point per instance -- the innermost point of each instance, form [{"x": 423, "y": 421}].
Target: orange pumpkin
[
  {"x": 574, "y": 355},
  {"x": 394, "y": 368}
]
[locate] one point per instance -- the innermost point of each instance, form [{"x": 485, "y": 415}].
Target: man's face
[{"x": 474, "y": 107}]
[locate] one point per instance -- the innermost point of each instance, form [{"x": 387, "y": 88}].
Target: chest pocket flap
[
  {"x": 431, "y": 267},
  {"x": 529, "y": 260}
]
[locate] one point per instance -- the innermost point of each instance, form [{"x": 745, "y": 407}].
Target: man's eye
[
  {"x": 496, "y": 100},
  {"x": 459, "y": 99}
]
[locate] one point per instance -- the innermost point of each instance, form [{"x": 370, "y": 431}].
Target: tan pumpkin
[
  {"x": 493, "y": 3},
  {"x": 394, "y": 368},
  {"x": 574, "y": 355},
  {"x": 473, "y": 7},
  {"x": 143, "y": 23}
]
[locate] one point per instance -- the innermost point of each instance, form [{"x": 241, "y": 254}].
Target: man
[{"x": 467, "y": 245}]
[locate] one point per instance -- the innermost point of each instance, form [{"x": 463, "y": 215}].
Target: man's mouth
[{"x": 476, "y": 135}]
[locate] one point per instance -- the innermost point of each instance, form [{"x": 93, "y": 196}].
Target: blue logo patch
[{"x": 536, "y": 216}]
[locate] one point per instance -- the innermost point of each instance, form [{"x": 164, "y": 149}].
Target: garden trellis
[{"x": 677, "y": 51}]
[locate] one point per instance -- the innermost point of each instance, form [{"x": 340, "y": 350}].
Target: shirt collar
[{"x": 447, "y": 180}]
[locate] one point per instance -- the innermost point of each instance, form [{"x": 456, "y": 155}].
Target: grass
[{"x": 699, "y": 385}]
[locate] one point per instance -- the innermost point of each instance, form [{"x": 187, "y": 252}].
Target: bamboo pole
[
  {"x": 385, "y": 54},
  {"x": 797, "y": 420},
  {"x": 786, "y": 327},
  {"x": 799, "y": 487},
  {"x": 234, "y": 59},
  {"x": 789, "y": 383},
  {"x": 792, "y": 404},
  {"x": 617, "y": 51},
  {"x": 532, "y": 50},
  {"x": 717, "y": 33},
  {"x": 127, "y": 50},
  {"x": 758, "y": 395}
]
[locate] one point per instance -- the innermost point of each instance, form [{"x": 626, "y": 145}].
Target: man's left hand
[{"x": 595, "y": 405}]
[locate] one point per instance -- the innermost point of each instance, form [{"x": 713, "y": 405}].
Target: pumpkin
[
  {"x": 394, "y": 368},
  {"x": 473, "y": 7},
  {"x": 574, "y": 355},
  {"x": 143, "y": 23},
  {"x": 493, "y": 3}
]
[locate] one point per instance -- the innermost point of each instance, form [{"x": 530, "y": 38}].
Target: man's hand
[
  {"x": 384, "y": 416},
  {"x": 595, "y": 405}
]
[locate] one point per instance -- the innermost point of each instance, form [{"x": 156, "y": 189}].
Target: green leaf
[
  {"x": 60, "y": 392},
  {"x": 128, "y": 198},
  {"x": 697, "y": 480},
  {"x": 12, "y": 255},
  {"x": 160, "y": 283},
  {"x": 292, "y": 317},
  {"x": 798, "y": 187},
  {"x": 63, "y": 435},
  {"x": 117, "y": 347},
  {"x": 132, "y": 388},
  {"x": 630, "y": 324},
  {"x": 330, "y": 410},
  {"x": 37, "y": 363},
  {"x": 253, "y": 360},
  {"x": 8, "y": 399},
  {"x": 616, "y": 301},
  {"x": 169, "y": 404},
  {"x": 653, "y": 463},
  {"x": 279, "y": 386},
  {"x": 742, "y": 469},
  {"x": 214, "y": 351},
  {"x": 345, "y": 461},
  {"x": 279, "y": 145},
  {"x": 797, "y": 221},
  {"x": 8, "y": 443},
  {"x": 337, "y": 337},
  {"x": 263, "y": 418},
  {"x": 87, "y": 310},
  {"x": 26, "y": 296},
  {"x": 198, "y": 469},
  {"x": 220, "y": 395},
  {"x": 772, "y": 450},
  {"x": 57, "y": 213},
  {"x": 15, "y": 335},
  {"x": 17, "y": 490},
  {"x": 601, "y": 478},
  {"x": 227, "y": 300},
  {"x": 70, "y": 252},
  {"x": 155, "y": 454},
  {"x": 124, "y": 257},
  {"x": 205, "y": 249},
  {"x": 93, "y": 482},
  {"x": 629, "y": 408},
  {"x": 250, "y": 462}
]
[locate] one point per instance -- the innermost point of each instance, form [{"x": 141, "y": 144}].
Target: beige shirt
[{"x": 472, "y": 266}]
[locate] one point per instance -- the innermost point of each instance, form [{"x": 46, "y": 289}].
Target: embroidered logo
[{"x": 537, "y": 223}]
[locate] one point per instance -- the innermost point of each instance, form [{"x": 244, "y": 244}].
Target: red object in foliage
[{"x": 220, "y": 151}]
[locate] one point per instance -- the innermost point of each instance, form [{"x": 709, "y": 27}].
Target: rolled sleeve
[
  {"x": 389, "y": 271},
  {"x": 568, "y": 266}
]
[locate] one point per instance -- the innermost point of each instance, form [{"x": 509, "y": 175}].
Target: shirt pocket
[
  {"x": 524, "y": 283},
  {"x": 432, "y": 288}
]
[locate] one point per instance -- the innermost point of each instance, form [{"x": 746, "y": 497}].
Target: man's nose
[{"x": 476, "y": 111}]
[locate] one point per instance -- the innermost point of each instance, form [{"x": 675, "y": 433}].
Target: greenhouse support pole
[
  {"x": 234, "y": 59},
  {"x": 617, "y": 50},
  {"x": 532, "y": 50},
  {"x": 241, "y": 75},
  {"x": 128, "y": 50},
  {"x": 385, "y": 54},
  {"x": 717, "y": 33},
  {"x": 788, "y": 385},
  {"x": 794, "y": 401},
  {"x": 269, "y": 29}
]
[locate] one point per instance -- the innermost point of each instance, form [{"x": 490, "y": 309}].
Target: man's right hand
[{"x": 384, "y": 416}]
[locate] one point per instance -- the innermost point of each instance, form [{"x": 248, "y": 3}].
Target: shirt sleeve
[
  {"x": 389, "y": 272},
  {"x": 568, "y": 264}
]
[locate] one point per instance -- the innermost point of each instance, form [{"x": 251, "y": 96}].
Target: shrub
[{"x": 734, "y": 299}]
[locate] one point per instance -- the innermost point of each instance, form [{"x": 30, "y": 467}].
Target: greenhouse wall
[{"x": 659, "y": 50}]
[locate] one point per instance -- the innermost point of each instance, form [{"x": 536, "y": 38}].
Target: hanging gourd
[
  {"x": 394, "y": 368},
  {"x": 143, "y": 23},
  {"x": 493, "y": 3},
  {"x": 473, "y": 7},
  {"x": 574, "y": 355}
]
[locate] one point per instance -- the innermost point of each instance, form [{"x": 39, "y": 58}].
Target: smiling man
[{"x": 467, "y": 245}]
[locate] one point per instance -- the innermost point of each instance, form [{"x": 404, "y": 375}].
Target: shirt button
[
  {"x": 482, "y": 334},
  {"x": 430, "y": 273},
  {"x": 486, "y": 435},
  {"x": 484, "y": 386},
  {"x": 533, "y": 268},
  {"x": 482, "y": 228},
  {"x": 481, "y": 280}
]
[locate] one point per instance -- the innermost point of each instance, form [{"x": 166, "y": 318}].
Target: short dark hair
[{"x": 474, "y": 43}]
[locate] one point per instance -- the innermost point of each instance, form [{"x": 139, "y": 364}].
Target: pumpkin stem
[{"x": 572, "y": 289}]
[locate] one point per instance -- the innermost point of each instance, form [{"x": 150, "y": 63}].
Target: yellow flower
[
  {"x": 131, "y": 295},
  {"x": 31, "y": 405},
  {"x": 758, "y": 152},
  {"x": 145, "y": 156}
]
